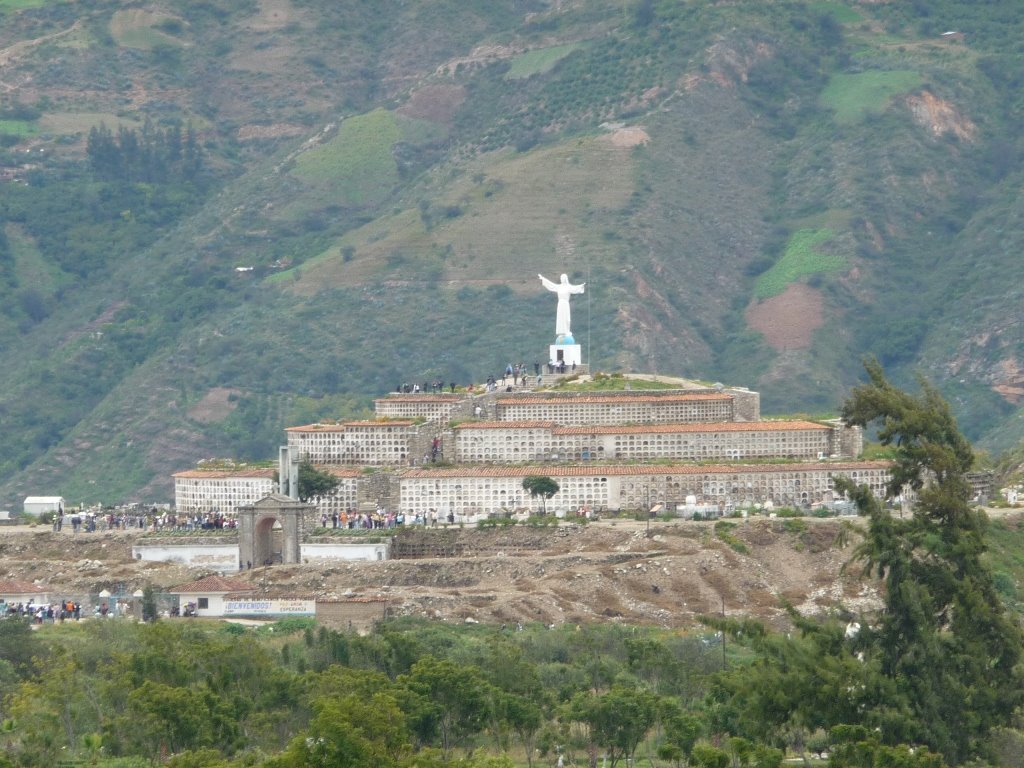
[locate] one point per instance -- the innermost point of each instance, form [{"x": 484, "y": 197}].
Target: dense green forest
[{"x": 224, "y": 218}]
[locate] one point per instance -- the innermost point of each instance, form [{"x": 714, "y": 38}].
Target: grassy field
[
  {"x": 538, "y": 61},
  {"x": 16, "y": 5},
  {"x": 1005, "y": 556},
  {"x": 18, "y": 127},
  {"x": 841, "y": 13},
  {"x": 68, "y": 123},
  {"x": 135, "y": 28},
  {"x": 491, "y": 223},
  {"x": 852, "y": 97},
  {"x": 800, "y": 259},
  {"x": 356, "y": 164},
  {"x": 614, "y": 383},
  {"x": 32, "y": 269}
]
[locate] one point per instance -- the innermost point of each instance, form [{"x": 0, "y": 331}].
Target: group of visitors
[
  {"x": 353, "y": 520},
  {"x": 381, "y": 518},
  {"x": 167, "y": 521},
  {"x": 44, "y": 614},
  {"x": 515, "y": 374},
  {"x": 434, "y": 387},
  {"x": 209, "y": 521},
  {"x": 518, "y": 373}
]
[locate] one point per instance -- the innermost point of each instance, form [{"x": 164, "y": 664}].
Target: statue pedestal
[{"x": 572, "y": 354}]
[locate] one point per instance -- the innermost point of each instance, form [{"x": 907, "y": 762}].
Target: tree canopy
[
  {"x": 315, "y": 483},
  {"x": 541, "y": 485},
  {"x": 938, "y": 665},
  {"x": 944, "y": 634}
]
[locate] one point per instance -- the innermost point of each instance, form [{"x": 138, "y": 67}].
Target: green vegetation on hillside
[
  {"x": 16, "y": 129},
  {"x": 538, "y": 61},
  {"x": 854, "y": 96},
  {"x": 355, "y": 165},
  {"x": 800, "y": 259},
  {"x": 399, "y": 167},
  {"x": 6, "y": 6},
  {"x": 603, "y": 382}
]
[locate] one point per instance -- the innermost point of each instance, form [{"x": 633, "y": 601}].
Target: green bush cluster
[{"x": 724, "y": 531}]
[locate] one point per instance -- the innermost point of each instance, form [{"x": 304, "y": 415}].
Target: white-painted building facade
[
  {"x": 621, "y": 408},
  {"x": 213, "y": 491},
  {"x": 37, "y": 505},
  {"x": 476, "y": 490},
  {"x": 437, "y": 407},
  {"x": 524, "y": 441},
  {"x": 203, "y": 491},
  {"x": 381, "y": 442}
]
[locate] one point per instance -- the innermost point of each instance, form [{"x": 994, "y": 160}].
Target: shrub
[
  {"x": 724, "y": 531},
  {"x": 495, "y": 522}
]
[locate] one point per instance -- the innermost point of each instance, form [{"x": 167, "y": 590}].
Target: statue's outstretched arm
[{"x": 547, "y": 283}]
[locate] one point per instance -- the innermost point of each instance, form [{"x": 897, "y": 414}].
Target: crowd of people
[
  {"x": 380, "y": 518},
  {"x": 48, "y": 613},
  {"x": 514, "y": 374},
  {"x": 152, "y": 520},
  {"x": 433, "y": 387}
]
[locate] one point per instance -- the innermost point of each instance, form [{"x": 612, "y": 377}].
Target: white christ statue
[{"x": 564, "y": 289}]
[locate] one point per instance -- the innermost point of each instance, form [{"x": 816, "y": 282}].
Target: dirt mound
[{"x": 667, "y": 575}]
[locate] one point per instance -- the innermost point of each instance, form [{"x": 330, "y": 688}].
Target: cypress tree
[{"x": 943, "y": 636}]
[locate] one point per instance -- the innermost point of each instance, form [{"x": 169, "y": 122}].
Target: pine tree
[
  {"x": 943, "y": 635},
  {"x": 939, "y": 664}
]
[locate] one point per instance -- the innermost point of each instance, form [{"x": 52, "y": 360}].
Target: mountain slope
[{"x": 755, "y": 193}]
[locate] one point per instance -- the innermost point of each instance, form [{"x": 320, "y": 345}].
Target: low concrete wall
[
  {"x": 331, "y": 551},
  {"x": 352, "y": 615},
  {"x": 219, "y": 557}
]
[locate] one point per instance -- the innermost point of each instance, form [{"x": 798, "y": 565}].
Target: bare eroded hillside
[{"x": 618, "y": 571}]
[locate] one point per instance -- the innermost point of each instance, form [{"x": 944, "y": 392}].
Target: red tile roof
[
  {"x": 607, "y": 429},
  {"x": 212, "y": 585},
  {"x": 16, "y": 587},
  {"x": 524, "y": 424},
  {"x": 721, "y": 426},
  {"x": 381, "y": 423},
  {"x": 584, "y": 470},
  {"x": 340, "y": 471},
  {"x": 587, "y": 399},
  {"x": 217, "y": 474},
  {"x": 341, "y": 427},
  {"x": 422, "y": 397}
]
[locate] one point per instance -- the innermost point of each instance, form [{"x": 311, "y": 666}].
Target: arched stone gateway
[{"x": 258, "y": 541}]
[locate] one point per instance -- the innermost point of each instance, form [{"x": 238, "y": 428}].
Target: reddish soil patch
[
  {"x": 434, "y": 102},
  {"x": 215, "y": 405},
  {"x": 629, "y": 137},
  {"x": 788, "y": 320},
  {"x": 273, "y": 131},
  {"x": 939, "y": 116}
]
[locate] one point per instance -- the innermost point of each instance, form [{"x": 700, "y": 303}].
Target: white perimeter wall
[
  {"x": 319, "y": 552},
  {"x": 219, "y": 557}
]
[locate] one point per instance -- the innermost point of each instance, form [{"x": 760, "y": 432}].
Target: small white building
[
  {"x": 37, "y": 505},
  {"x": 14, "y": 591},
  {"x": 205, "y": 597}
]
